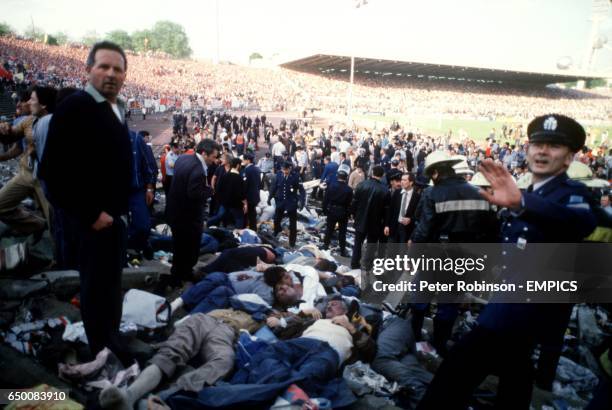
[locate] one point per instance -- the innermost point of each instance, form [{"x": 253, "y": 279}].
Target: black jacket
[
  {"x": 252, "y": 179},
  {"x": 337, "y": 200},
  {"x": 188, "y": 193},
  {"x": 369, "y": 206},
  {"x": 87, "y": 162},
  {"x": 231, "y": 190},
  {"x": 394, "y": 210},
  {"x": 454, "y": 211}
]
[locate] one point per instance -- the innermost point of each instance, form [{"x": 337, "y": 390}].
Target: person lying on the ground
[
  {"x": 311, "y": 361},
  {"x": 237, "y": 259},
  {"x": 201, "y": 336},
  {"x": 296, "y": 296},
  {"x": 214, "y": 291},
  {"x": 396, "y": 360},
  {"x": 331, "y": 281},
  {"x": 288, "y": 326}
]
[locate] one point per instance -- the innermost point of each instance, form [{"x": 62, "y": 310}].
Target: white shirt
[
  {"x": 302, "y": 158},
  {"x": 311, "y": 288},
  {"x": 278, "y": 149},
  {"x": 204, "y": 166},
  {"x": 171, "y": 158},
  {"x": 344, "y": 146},
  {"x": 335, "y": 157},
  {"x": 336, "y": 336},
  {"x": 115, "y": 108},
  {"x": 540, "y": 184},
  {"x": 408, "y": 198}
]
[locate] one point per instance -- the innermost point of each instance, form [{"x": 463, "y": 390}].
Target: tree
[
  {"x": 255, "y": 56},
  {"x": 51, "y": 40},
  {"x": 141, "y": 40},
  {"x": 596, "y": 82},
  {"x": 90, "y": 38},
  {"x": 122, "y": 38},
  {"x": 61, "y": 37},
  {"x": 170, "y": 38},
  {"x": 5, "y": 29}
]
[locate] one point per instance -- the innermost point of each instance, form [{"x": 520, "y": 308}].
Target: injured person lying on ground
[{"x": 310, "y": 354}]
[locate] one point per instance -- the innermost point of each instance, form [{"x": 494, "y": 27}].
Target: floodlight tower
[
  {"x": 357, "y": 4},
  {"x": 600, "y": 12}
]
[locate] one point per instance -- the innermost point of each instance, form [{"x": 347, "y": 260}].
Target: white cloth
[
  {"x": 336, "y": 336},
  {"x": 311, "y": 288}
]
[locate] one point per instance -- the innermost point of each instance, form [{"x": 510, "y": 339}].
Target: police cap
[
  {"x": 558, "y": 129},
  {"x": 394, "y": 175}
]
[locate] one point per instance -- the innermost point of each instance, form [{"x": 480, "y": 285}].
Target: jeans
[{"x": 235, "y": 212}]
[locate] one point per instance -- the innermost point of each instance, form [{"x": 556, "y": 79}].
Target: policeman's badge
[{"x": 550, "y": 124}]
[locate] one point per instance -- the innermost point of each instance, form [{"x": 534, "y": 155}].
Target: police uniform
[
  {"x": 336, "y": 206},
  {"x": 556, "y": 210},
  {"x": 289, "y": 195}
]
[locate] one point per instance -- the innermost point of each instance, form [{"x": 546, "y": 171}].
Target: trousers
[
  {"x": 373, "y": 237},
  {"x": 23, "y": 185},
  {"x": 342, "y": 222},
  {"x": 478, "y": 354},
  {"x": 186, "y": 250},
  {"x": 279, "y": 213},
  {"x": 205, "y": 339},
  {"x": 101, "y": 261}
]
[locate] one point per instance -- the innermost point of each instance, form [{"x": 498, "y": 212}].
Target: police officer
[
  {"x": 553, "y": 209},
  {"x": 289, "y": 195},
  {"x": 336, "y": 205},
  {"x": 252, "y": 181}
]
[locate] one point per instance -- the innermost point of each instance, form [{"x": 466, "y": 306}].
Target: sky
[{"x": 528, "y": 35}]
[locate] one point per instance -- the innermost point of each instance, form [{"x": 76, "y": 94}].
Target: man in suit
[
  {"x": 252, "y": 180},
  {"x": 185, "y": 209},
  {"x": 400, "y": 220},
  {"x": 289, "y": 195},
  {"x": 370, "y": 202},
  {"x": 80, "y": 181}
]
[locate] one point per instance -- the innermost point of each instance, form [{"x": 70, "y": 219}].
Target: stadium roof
[{"x": 326, "y": 63}]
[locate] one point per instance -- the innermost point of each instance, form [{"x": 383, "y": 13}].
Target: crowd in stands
[{"x": 153, "y": 77}]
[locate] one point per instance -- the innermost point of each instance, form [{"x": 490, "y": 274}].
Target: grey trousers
[
  {"x": 396, "y": 359},
  {"x": 203, "y": 338}
]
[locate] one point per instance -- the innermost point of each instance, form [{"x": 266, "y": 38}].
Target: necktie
[{"x": 403, "y": 205}]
